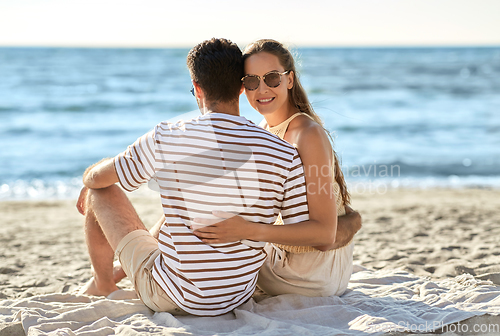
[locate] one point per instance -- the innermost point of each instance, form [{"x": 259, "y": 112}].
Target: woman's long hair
[{"x": 297, "y": 97}]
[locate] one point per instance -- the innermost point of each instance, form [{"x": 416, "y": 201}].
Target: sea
[{"x": 400, "y": 117}]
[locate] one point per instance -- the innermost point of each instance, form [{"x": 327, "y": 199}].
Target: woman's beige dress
[{"x": 302, "y": 269}]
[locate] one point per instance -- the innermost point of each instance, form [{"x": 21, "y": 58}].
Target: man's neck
[{"x": 227, "y": 108}]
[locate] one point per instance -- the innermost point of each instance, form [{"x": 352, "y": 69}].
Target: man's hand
[
  {"x": 355, "y": 218},
  {"x": 82, "y": 199},
  {"x": 348, "y": 225}
]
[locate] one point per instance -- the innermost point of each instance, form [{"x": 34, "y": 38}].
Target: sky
[{"x": 176, "y": 23}]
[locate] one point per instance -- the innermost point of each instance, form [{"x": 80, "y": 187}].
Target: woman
[{"x": 273, "y": 88}]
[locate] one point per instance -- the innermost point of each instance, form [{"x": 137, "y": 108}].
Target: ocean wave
[
  {"x": 413, "y": 88},
  {"x": 395, "y": 130},
  {"x": 68, "y": 133},
  {"x": 8, "y": 109},
  {"x": 366, "y": 87},
  {"x": 40, "y": 189}
]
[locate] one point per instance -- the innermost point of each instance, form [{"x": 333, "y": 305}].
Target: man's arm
[{"x": 100, "y": 175}]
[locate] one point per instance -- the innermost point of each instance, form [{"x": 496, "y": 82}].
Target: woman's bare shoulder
[
  {"x": 309, "y": 133},
  {"x": 311, "y": 141}
]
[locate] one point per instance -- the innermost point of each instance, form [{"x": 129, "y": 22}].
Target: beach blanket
[{"x": 376, "y": 302}]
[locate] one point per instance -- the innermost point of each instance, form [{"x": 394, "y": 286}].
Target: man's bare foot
[{"x": 91, "y": 288}]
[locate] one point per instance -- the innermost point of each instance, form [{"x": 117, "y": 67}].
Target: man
[{"x": 220, "y": 160}]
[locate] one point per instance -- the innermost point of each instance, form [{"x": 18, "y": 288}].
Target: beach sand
[{"x": 433, "y": 232}]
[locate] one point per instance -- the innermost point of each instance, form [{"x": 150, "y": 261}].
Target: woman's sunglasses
[{"x": 272, "y": 79}]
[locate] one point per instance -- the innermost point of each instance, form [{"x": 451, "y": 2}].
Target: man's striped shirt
[{"x": 214, "y": 162}]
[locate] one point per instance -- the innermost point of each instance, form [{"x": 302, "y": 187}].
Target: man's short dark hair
[{"x": 217, "y": 66}]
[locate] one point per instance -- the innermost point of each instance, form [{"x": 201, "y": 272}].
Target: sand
[
  {"x": 42, "y": 247},
  {"x": 433, "y": 232},
  {"x": 436, "y": 233}
]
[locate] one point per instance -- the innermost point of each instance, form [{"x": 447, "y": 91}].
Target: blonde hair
[{"x": 297, "y": 97}]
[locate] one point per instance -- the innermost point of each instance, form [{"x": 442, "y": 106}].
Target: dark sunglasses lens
[
  {"x": 272, "y": 79},
  {"x": 251, "y": 82}
]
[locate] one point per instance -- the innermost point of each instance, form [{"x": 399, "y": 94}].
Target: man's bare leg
[
  {"x": 118, "y": 273},
  {"x": 101, "y": 257},
  {"x": 109, "y": 218}
]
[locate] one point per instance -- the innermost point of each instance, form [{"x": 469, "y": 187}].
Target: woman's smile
[{"x": 265, "y": 101}]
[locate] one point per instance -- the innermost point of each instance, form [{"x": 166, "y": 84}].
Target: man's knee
[
  {"x": 112, "y": 201},
  {"x": 113, "y": 211}
]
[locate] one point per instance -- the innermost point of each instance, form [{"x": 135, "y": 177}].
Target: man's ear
[
  {"x": 198, "y": 92},
  {"x": 291, "y": 78},
  {"x": 242, "y": 88}
]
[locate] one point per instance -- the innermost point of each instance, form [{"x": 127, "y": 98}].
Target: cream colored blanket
[{"x": 376, "y": 302}]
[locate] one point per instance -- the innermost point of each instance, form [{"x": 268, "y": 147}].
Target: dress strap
[{"x": 281, "y": 128}]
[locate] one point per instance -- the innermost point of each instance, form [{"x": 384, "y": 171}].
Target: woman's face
[{"x": 265, "y": 99}]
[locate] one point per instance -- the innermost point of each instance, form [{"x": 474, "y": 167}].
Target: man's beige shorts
[{"x": 137, "y": 253}]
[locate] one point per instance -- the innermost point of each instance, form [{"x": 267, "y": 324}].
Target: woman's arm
[
  {"x": 231, "y": 228},
  {"x": 315, "y": 150}
]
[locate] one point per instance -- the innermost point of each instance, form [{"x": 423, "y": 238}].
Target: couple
[{"x": 201, "y": 258}]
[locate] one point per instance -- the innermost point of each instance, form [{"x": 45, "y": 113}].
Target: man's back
[{"x": 215, "y": 162}]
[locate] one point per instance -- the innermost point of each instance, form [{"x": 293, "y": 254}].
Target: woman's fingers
[
  {"x": 205, "y": 235},
  {"x": 212, "y": 235},
  {"x": 206, "y": 230},
  {"x": 216, "y": 231}
]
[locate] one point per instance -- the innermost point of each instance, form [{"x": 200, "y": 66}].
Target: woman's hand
[
  {"x": 229, "y": 228},
  {"x": 81, "y": 203}
]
